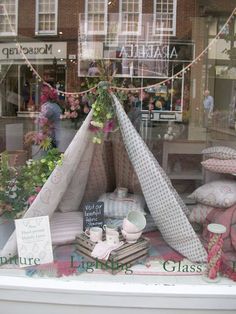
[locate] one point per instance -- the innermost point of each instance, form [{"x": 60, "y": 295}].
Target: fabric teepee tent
[{"x": 64, "y": 190}]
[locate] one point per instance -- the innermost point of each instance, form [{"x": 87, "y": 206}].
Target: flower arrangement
[
  {"x": 42, "y": 137},
  {"x": 103, "y": 120},
  {"x": 76, "y": 108},
  {"x": 20, "y": 186}
]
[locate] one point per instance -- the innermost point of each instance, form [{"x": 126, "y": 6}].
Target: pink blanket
[{"x": 226, "y": 217}]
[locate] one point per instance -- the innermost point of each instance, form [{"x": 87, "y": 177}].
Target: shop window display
[{"x": 142, "y": 167}]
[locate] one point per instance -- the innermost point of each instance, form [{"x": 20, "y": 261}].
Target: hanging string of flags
[{"x": 112, "y": 87}]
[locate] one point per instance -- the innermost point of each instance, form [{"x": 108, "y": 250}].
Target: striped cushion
[
  {"x": 65, "y": 227},
  {"x": 119, "y": 208}
]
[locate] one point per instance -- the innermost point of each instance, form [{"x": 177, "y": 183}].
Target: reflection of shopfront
[
  {"x": 20, "y": 90},
  {"x": 221, "y": 72},
  {"x": 140, "y": 65}
]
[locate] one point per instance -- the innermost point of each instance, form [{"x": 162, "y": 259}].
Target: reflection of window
[
  {"x": 165, "y": 17},
  {"x": 130, "y": 19},
  {"x": 224, "y": 29},
  {"x": 46, "y": 17},
  {"x": 96, "y": 16},
  {"x": 112, "y": 33},
  {"x": 8, "y": 17}
]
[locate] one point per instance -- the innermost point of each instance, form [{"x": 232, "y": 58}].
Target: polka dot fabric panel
[{"x": 163, "y": 202}]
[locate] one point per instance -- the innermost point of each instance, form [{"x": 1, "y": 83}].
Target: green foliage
[
  {"x": 103, "y": 114},
  {"x": 19, "y": 186}
]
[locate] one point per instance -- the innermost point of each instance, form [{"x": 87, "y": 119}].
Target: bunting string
[{"x": 125, "y": 89}]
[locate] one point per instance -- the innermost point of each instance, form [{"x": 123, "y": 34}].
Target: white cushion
[{"x": 220, "y": 193}]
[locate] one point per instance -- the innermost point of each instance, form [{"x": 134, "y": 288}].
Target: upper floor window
[
  {"x": 96, "y": 17},
  {"x": 46, "y": 17},
  {"x": 8, "y": 17},
  {"x": 131, "y": 14},
  {"x": 165, "y": 17}
]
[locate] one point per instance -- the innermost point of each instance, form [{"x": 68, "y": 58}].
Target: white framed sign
[{"x": 34, "y": 242}]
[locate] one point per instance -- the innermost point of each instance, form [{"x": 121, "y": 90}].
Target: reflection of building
[
  {"x": 149, "y": 41},
  {"x": 38, "y": 26},
  {"x": 215, "y": 70},
  {"x": 145, "y": 42},
  {"x": 41, "y": 56}
]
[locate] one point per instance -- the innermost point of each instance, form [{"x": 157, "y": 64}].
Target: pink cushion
[{"x": 220, "y": 166}]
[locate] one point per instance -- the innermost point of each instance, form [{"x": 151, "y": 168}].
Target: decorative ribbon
[{"x": 214, "y": 255}]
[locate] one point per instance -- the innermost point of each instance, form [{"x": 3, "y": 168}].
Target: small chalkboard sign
[{"x": 93, "y": 214}]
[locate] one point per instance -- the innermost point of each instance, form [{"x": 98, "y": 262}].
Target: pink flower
[
  {"x": 74, "y": 114},
  {"x": 39, "y": 137},
  {"x": 48, "y": 93},
  {"x": 67, "y": 114},
  {"x": 93, "y": 128},
  {"x": 109, "y": 125},
  {"x": 38, "y": 189},
  {"x": 42, "y": 121},
  {"x": 31, "y": 199}
]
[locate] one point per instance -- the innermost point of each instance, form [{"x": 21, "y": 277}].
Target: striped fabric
[
  {"x": 65, "y": 227},
  {"x": 119, "y": 208}
]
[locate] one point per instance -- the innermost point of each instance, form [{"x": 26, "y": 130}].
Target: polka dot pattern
[{"x": 165, "y": 205}]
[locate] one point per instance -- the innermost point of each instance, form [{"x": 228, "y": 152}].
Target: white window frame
[
  {"x": 139, "y": 20},
  {"x": 96, "y": 32},
  {"x": 16, "y": 22},
  {"x": 45, "y": 32},
  {"x": 165, "y": 30}
]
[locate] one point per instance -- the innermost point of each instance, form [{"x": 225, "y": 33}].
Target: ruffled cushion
[{"x": 220, "y": 193}]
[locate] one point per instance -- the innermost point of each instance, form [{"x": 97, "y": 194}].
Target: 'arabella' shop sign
[
  {"x": 33, "y": 50},
  {"x": 176, "y": 51}
]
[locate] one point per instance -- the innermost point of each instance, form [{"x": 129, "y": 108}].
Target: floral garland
[{"x": 103, "y": 120}]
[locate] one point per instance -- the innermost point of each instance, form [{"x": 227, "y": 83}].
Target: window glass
[
  {"x": 165, "y": 16},
  {"x": 130, "y": 16},
  {"x": 96, "y": 16},
  {"x": 8, "y": 18},
  {"x": 46, "y": 17},
  {"x": 124, "y": 120}
]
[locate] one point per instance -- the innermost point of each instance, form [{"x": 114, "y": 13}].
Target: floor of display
[
  {"x": 163, "y": 265},
  {"x": 168, "y": 290}
]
